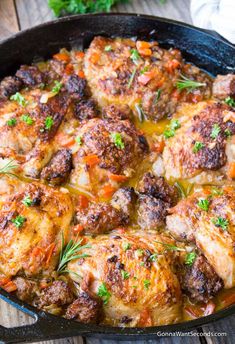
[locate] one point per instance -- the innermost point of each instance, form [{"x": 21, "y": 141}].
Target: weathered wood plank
[
  {"x": 154, "y": 340},
  {"x": 8, "y": 19},
  {"x": 223, "y": 326}
]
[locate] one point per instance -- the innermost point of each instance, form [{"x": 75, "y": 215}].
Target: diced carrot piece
[
  {"x": 194, "y": 311},
  {"x": 159, "y": 146},
  {"x": 143, "y": 45},
  {"x": 145, "y": 318},
  {"x": 79, "y": 54},
  {"x": 49, "y": 252},
  {"x": 62, "y": 57},
  {"x": 4, "y": 280},
  {"x": 10, "y": 287},
  {"x": 69, "y": 69},
  {"x": 83, "y": 201},
  {"x": 194, "y": 98},
  {"x": 91, "y": 160},
  {"x": 94, "y": 58},
  {"x": 108, "y": 190},
  {"x": 231, "y": 170},
  {"x": 81, "y": 74},
  {"x": 172, "y": 65},
  {"x": 78, "y": 228},
  {"x": 118, "y": 178},
  {"x": 65, "y": 140},
  {"x": 36, "y": 252},
  {"x": 145, "y": 52},
  {"x": 228, "y": 299}
]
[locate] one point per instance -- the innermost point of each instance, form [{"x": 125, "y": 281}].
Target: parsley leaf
[
  {"x": 203, "y": 204},
  {"x": 172, "y": 127},
  {"x": 169, "y": 133},
  {"x": 190, "y": 258},
  {"x": 125, "y": 274},
  {"x": 107, "y": 48},
  {"x": 147, "y": 284},
  {"x": 104, "y": 293},
  {"x": 216, "y": 192},
  {"x": 11, "y": 122},
  {"x": 27, "y": 201},
  {"x": 215, "y": 131},
  {"x": 57, "y": 87},
  {"x": 117, "y": 140},
  {"x": 19, "y": 221},
  {"x": 227, "y": 132},
  {"x": 135, "y": 56},
  {"x": 198, "y": 146},
  {"x": 126, "y": 246},
  {"x": 17, "y": 97},
  {"x": 49, "y": 122},
  {"x": 221, "y": 222},
  {"x": 27, "y": 119},
  {"x": 230, "y": 101},
  {"x": 78, "y": 139}
]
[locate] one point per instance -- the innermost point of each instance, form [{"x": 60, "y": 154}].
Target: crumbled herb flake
[
  {"x": 126, "y": 246},
  {"x": 217, "y": 192},
  {"x": 27, "y": 201},
  {"x": 19, "y": 99},
  {"x": 153, "y": 257},
  {"x": 107, "y": 48},
  {"x": 144, "y": 70},
  {"x": 57, "y": 86},
  {"x": 198, "y": 146},
  {"x": 221, "y": 222},
  {"x": 169, "y": 133},
  {"x": 27, "y": 119},
  {"x": 228, "y": 132},
  {"x": 104, "y": 293},
  {"x": 203, "y": 204},
  {"x": 135, "y": 56},
  {"x": 78, "y": 139},
  {"x": 230, "y": 101},
  {"x": 49, "y": 122},
  {"x": 19, "y": 221},
  {"x": 125, "y": 274},
  {"x": 11, "y": 122},
  {"x": 147, "y": 284},
  {"x": 215, "y": 131},
  {"x": 190, "y": 258},
  {"x": 117, "y": 140}
]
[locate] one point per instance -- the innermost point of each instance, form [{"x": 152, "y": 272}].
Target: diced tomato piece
[
  {"x": 172, "y": 65},
  {"x": 81, "y": 74},
  {"x": 62, "y": 57},
  {"x": 78, "y": 229},
  {"x": 107, "y": 191},
  {"x": 69, "y": 69},
  {"x": 118, "y": 178},
  {"x": 145, "y": 78},
  {"x": 79, "y": 54},
  {"x": 83, "y": 201},
  {"x": 91, "y": 160},
  {"x": 49, "y": 252}
]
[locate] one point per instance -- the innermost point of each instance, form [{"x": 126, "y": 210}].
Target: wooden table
[{"x": 18, "y": 15}]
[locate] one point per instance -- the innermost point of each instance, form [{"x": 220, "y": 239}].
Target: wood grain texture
[
  {"x": 8, "y": 19},
  {"x": 33, "y": 12}
]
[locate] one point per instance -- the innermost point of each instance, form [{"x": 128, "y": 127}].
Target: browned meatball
[
  {"x": 200, "y": 280},
  {"x": 85, "y": 109},
  {"x": 124, "y": 199},
  {"x": 76, "y": 86},
  {"x": 26, "y": 289},
  {"x": 119, "y": 145},
  {"x": 31, "y": 76},
  {"x": 58, "y": 293},
  {"x": 114, "y": 112},
  {"x": 58, "y": 169},
  {"x": 151, "y": 212},
  {"x": 86, "y": 308},
  {"x": 224, "y": 86},
  {"x": 100, "y": 218},
  {"x": 8, "y": 86},
  {"x": 158, "y": 188}
]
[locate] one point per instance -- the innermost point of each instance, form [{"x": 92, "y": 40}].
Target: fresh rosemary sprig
[
  {"x": 170, "y": 247},
  {"x": 8, "y": 167},
  {"x": 132, "y": 78},
  {"x": 70, "y": 252},
  {"x": 190, "y": 85}
]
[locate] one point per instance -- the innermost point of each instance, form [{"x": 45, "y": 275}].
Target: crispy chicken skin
[
  {"x": 132, "y": 72},
  {"x": 212, "y": 230},
  {"x": 30, "y": 233},
  {"x": 203, "y": 147},
  {"x": 144, "y": 291}
]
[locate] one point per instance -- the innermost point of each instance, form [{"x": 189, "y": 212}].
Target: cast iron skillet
[{"x": 205, "y": 49}]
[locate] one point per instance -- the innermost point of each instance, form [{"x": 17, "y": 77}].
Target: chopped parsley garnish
[
  {"x": 198, "y": 146},
  {"x": 142, "y": 263},
  {"x": 117, "y": 140},
  {"x": 104, "y": 293},
  {"x": 11, "y": 122},
  {"x": 190, "y": 258},
  {"x": 203, "y": 204},
  {"x": 57, "y": 87},
  {"x": 228, "y": 132},
  {"x": 147, "y": 284},
  {"x": 27, "y": 201},
  {"x": 78, "y": 139},
  {"x": 135, "y": 56},
  {"x": 144, "y": 70},
  {"x": 27, "y": 119},
  {"x": 217, "y": 192},
  {"x": 140, "y": 252},
  {"x": 190, "y": 85},
  {"x": 153, "y": 257},
  {"x": 157, "y": 96},
  {"x": 230, "y": 101},
  {"x": 19, "y": 221},
  {"x": 107, "y": 48},
  {"x": 125, "y": 274},
  {"x": 221, "y": 222},
  {"x": 172, "y": 127},
  {"x": 215, "y": 131},
  {"x": 132, "y": 78},
  {"x": 19, "y": 99},
  {"x": 170, "y": 247},
  {"x": 49, "y": 122},
  {"x": 126, "y": 246}
]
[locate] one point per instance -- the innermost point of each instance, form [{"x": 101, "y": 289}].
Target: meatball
[
  {"x": 118, "y": 145},
  {"x": 30, "y": 76},
  {"x": 85, "y": 109},
  {"x": 86, "y": 308},
  {"x": 58, "y": 293},
  {"x": 58, "y": 169},
  {"x": 124, "y": 199},
  {"x": 8, "y": 86},
  {"x": 158, "y": 188},
  {"x": 76, "y": 86},
  {"x": 200, "y": 280},
  {"x": 151, "y": 212},
  {"x": 224, "y": 86},
  {"x": 114, "y": 112},
  {"x": 100, "y": 218},
  {"x": 26, "y": 289}
]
